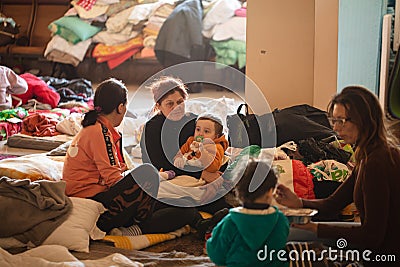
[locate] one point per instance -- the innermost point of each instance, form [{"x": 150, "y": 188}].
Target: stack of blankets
[{"x": 121, "y": 29}]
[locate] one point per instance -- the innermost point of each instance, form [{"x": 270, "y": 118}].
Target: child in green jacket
[{"x": 251, "y": 235}]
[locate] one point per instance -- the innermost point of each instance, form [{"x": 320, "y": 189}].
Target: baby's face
[{"x": 205, "y": 128}]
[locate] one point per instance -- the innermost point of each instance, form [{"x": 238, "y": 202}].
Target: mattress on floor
[{"x": 33, "y": 142}]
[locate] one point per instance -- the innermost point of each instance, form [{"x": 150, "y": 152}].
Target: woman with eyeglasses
[{"x": 374, "y": 185}]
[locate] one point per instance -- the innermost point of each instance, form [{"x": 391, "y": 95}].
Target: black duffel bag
[{"x": 251, "y": 129}]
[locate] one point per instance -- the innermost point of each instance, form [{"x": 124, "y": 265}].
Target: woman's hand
[
  {"x": 285, "y": 196},
  {"x": 313, "y": 227}
]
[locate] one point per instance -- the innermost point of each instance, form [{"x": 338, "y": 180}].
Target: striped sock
[{"x": 131, "y": 230}]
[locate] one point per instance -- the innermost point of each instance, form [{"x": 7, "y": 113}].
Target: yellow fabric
[
  {"x": 144, "y": 241},
  {"x": 33, "y": 167},
  {"x": 119, "y": 241},
  {"x": 158, "y": 238},
  {"x": 205, "y": 215},
  {"x": 102, "y": 50}
]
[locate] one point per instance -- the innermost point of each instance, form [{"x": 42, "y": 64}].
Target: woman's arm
[
  {"x": 150, "y": 145},
  {"x": 342, "y": 197},
  {"x": 373, "y": 190},
  {"x": 109, "y": 173}
]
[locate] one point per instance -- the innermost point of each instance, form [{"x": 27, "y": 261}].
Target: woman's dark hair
[
  {"x": 108, "y": 95},
  {"x": 364, "y": 110},
  {"x": 258, "y": 170},
  {"x": 165, "y": 86}
]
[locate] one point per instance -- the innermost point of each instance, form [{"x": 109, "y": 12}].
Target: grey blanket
[{"x": 31, "y": 211}]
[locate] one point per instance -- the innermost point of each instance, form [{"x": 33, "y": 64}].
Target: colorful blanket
[{"x": 115, "y": 55}]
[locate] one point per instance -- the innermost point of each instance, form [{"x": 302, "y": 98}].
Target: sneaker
[
  {"x": 207, "y": 225},
  {"x": 217, "y": 217}
]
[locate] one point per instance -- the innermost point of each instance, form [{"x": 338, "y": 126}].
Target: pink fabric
[
  {"x": 10, "y": 83},
  {"x": 8, "y": 129},
  {"x": 241, "y": 12},
  {"x": 39, "y": 90},
  {"x": 147, "y": 52}
]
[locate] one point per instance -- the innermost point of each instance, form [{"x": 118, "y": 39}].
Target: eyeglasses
[{"x": 338, "y": 121}]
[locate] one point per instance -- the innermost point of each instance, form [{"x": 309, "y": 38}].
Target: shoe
[
  {"x": 207, "y": 225},
  {"x": 217, "y": 217}
]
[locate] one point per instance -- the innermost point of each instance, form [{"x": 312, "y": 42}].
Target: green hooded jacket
[{"x": 249, "y": 238}]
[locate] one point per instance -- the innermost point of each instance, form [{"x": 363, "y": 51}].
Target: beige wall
[
  {"x": 326, "y": 51},
  {"x": 291, "y": 52}
]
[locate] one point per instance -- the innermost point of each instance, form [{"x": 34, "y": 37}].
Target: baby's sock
[
  {"x": 127, "y": 231},
  {"x": 171, "y": 174}
]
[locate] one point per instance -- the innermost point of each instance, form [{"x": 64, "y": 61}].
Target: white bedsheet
[{"x": 55, "y": 255}]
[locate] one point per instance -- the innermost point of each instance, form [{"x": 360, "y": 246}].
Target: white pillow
[
  {"x": 220, "y": 12},
  {"x": 74, "y": 233}
]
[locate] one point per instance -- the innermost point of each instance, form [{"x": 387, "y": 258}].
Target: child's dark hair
[
  {"x": 108, "y": 95},
  {"x": 259, "y": 170}
]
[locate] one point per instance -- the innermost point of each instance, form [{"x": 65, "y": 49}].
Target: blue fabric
[{"x": 81, "y": 28}]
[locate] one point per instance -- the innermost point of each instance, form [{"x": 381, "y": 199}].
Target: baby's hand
[
  {"x": 195, "y": 146},
  {"x": 179, "y": 162}
]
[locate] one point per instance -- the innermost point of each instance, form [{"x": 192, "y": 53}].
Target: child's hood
[
  {"x": 222, "y": 141},
  {"x": 254, "y": 228}
]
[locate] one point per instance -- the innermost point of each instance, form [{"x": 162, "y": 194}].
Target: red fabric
[
  {"x": 39, "y": 124},
  {"x": 86, "y": 4},
  {"x": 8, "y": 129},
  {"x": 115, "y": 55},
  {"x": 117, "y": 141},
  {"x": 114, "y": 62},
  {"x": 39, "y": 90},
  {"x": 302, "y": 180}
]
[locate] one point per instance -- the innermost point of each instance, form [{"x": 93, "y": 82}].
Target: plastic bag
[{"x": 329, "y": 170}]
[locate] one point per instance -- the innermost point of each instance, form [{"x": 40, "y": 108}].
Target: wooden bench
[{"x": 34, "y": 16}]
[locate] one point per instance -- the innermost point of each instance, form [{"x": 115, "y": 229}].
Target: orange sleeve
[
  {"x": 216, "y": 161},
  {"x": 185, "y": 147}
]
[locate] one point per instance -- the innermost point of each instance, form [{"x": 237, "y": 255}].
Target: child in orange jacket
[{"x": 205, "y": 149}]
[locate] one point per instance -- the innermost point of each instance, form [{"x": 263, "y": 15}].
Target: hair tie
[{"x": 98, "y": 109}]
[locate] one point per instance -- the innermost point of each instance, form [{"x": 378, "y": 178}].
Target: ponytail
[
  {"x": 108, "y": 95},
  {"x": 90, "y": 118}
]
